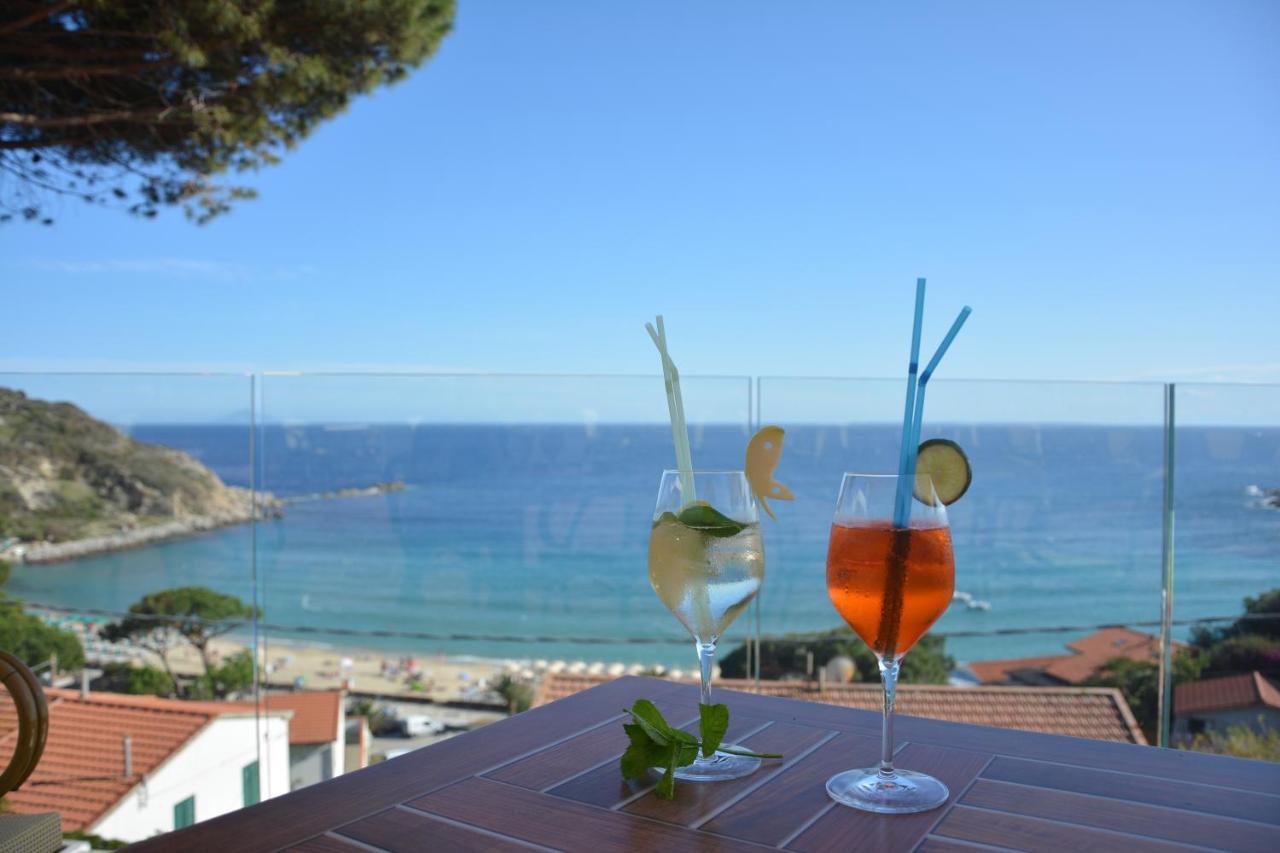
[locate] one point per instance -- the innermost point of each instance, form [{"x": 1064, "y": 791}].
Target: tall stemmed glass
[
  {"x": 890, "y": 584},
  {"x": 706, "y": 563}
]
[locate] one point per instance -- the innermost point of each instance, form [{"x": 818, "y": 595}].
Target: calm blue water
[{"x": 541, "y": 531}]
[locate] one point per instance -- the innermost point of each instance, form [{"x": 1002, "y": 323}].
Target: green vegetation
[
  {"x": 235, "y": 675},
  {"x": 1139, "y": 682},
  {"x": 380, "y": 722},
  {"x": 1247, "y": 644},
  {"x": 656, "y": 743},
  {"x": 787, "y": 656},
  {"x": 1243, "y": 646},
  {"x": 518, "y": 695},
  {"x": 30, "y": 639},
  {"x": 1242, "y": 654},
  {"x": 139, "y": 680},
  {"x": 141, "y": 105},
  {"x": 194, "y": 614},
  {"x": 65, "y": 475},
  {"x": 1241, "y": 742}
]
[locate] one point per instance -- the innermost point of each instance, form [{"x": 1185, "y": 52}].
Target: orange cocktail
[{"x": 890, "y": 584}]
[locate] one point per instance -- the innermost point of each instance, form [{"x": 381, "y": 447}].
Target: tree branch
[
  {"x": 143, "y": 116},
  {"x": 84, "y": 49},
  {"x": 36, "y": 17},
  {"x": 67, "y": 72},
  {"x": 32, "y": 144}
]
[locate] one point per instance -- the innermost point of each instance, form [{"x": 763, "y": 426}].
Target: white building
[
  {"x": 317, "y": 734},
  {"x": 130, "y": 767},
  {"x": 1213, "y": 705}
]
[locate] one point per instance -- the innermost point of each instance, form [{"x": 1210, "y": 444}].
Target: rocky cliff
[{"x": 66, "y": 477}]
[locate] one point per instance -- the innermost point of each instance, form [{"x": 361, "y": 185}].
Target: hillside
[{"x": 65, "y": 476}]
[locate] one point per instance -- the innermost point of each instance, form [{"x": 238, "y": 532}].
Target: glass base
[
  {"x": 904, "y": 792},
  {"x": 720, "y": 767}
]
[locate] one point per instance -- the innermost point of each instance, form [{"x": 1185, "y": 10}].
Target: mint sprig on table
[{"x": 655, "y": 743}]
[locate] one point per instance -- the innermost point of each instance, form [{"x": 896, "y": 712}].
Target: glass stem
[
  {"x": 889, "y": 677},
  {"x": 706, "y": 659}
]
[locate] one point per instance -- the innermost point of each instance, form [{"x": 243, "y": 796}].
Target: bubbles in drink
[{"x": 706, "y": 580}]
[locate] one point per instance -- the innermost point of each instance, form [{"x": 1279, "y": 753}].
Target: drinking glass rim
[
  {"x": 848, "y": 474},
  {"x": 705, "y": 471}
]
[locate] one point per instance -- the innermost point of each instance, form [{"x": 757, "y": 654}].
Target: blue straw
[
  {"x": 918, "y": 417},
  {"x": 900, "y": 496}
]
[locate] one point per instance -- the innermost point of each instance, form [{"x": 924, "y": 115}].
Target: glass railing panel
[
  {"x": 439, "y": 532},
  {"x": 1227, "y": 580},
  {"x": 116, "y": 490},
  {"x": 1058, "y": 535}
]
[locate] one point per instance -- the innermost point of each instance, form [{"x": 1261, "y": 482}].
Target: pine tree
[{"x": 141, "y": 104}]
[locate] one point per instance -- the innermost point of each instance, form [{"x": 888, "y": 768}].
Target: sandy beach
[{"x": 300, "y": 664}]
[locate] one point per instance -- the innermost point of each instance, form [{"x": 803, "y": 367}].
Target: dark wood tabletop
[{"x": 549, "y": 779}]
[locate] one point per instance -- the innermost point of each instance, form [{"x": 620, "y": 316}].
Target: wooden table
[{"x": 548, "y": 778}]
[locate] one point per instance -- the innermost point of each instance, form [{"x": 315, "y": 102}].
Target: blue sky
[{"x": 1098, "y": 179}]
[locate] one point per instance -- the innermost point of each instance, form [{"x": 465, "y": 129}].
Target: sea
[{"x": 528, "y": 541}]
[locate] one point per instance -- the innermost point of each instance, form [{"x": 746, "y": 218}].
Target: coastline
[
  {"x": 39, "y": 553},
  {"x": 264, "y": 506},
  {"x": 295, "y": 664}
]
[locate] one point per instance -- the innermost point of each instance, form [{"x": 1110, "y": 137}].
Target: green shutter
[
  {"x": 184, "y": 813},
  {"x": 249, "y": 783}
]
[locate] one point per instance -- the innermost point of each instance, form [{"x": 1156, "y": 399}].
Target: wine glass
[
  {"x": 706, "y": 563},
  {"x": 890, "y": 583}
]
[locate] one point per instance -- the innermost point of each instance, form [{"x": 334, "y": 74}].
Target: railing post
[
  {"x": 254, "y": 509},
  {"x": 756, "y": 606},
  {"x": 1164, "y": 699}
]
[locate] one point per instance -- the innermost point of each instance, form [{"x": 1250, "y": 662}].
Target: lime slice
[{"x": 941, "y": 461}]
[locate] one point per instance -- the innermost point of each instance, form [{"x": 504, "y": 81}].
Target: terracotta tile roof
[
  {"x": 1230, "y": 693},
  {"x": 1101, "y": 646},
  {"x": 315, "y": 714},
  {"x": 1099, "y": 713},
  {"x": 1088, "y": 653},
  {"x": 81, "y": 774},
  {"x": 998, "y": 671}
]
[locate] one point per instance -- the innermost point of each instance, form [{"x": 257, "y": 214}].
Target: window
[
  {"x": 249, "y": 783},
  {"x": 184, "y": 813}
]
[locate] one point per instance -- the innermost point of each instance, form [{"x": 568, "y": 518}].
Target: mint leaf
[
  {"x": 641, "y": 754},
  {"x": 684, "y": 737},
  {"x": 667, "y": 786},
  {"x": 713, "y": 722},
  {"x": 654, "y": 744},
  {"x": 706, "y": 519},
  {"x": 648, "y": 717}
]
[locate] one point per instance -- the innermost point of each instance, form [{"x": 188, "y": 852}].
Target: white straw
[{"x": 675, "y": 406}]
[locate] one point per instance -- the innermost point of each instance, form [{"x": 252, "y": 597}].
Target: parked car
[{"x": 416, "y": 725}]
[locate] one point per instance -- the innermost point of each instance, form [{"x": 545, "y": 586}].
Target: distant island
[{"x": 71, "y": 486}]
